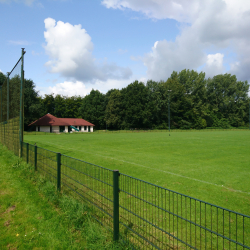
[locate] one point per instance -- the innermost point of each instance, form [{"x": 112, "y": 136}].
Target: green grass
[
  {"x": 33, "y": 215},
  {"x": 211, "y": 166}
]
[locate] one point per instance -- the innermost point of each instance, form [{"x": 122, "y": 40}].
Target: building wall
[
  {"x": 45, "y": 129},
  {"x": 55, "y": 129}
]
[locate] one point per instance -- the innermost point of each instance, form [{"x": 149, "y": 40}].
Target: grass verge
[{"x": 33, "y": 215}]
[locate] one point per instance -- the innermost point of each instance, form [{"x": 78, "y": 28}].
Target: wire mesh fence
[
  {"x": 143, "y": 215},
  {"x": 93, "y": 183},
  {"x": 155, "y": 217},
  {"x": 11, "y": 107}
]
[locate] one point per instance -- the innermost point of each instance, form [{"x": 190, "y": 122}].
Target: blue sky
[{"x": 73, "y": 46}]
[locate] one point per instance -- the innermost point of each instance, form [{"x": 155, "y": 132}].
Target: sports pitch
[{"x": 210, "y": 166}]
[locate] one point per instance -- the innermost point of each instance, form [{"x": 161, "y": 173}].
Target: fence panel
[
  {"x": 11, "y": 108},
  {"x": 32, "y": 154},
  {"x": 24, "y": 151},
  {"x": 155, "y": 217},
  {"x": 93, "y": 183},
  {"x": 47, "y": 163}
]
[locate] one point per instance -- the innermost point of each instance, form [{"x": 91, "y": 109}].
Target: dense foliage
[{"x": 195, "y": 102}]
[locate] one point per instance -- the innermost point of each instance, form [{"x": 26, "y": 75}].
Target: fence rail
[{"x": 141, "y": 213}]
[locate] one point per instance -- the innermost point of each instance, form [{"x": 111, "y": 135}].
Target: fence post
[
  {"x": 58, "y": 158},
  {"x": 1, "y": 96},
  {"x": 35, "y": 157},
  {"x": 21, "y": 101},
  {"x": 8, "y": 96},
  {"x": 27, "y": 152},
  {"x": 21, "y": 149},
  {"x": 116, "y": 204}
]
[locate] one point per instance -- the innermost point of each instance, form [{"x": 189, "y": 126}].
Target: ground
[{"x": 210, "y": 166}]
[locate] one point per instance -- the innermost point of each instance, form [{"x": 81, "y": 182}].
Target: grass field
[{"x": 211, "y": 166}]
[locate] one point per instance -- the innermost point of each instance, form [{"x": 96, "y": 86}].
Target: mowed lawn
[{"x": 211, "y": 166}]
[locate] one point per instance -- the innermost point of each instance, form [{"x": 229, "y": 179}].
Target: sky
[{"x": 74, "y": 46}]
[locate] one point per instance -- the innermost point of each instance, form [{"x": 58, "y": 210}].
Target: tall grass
[{"x": 35, "y": 216}]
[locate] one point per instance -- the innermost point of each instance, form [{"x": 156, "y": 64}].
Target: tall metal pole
[
  {"x": 169, "y": 110},
  {"x": 21, "y": 103},
  {"x": 8, "y": 96},
  {"x": 168, "y": 113},
  {"x": 1, "y": 90}
]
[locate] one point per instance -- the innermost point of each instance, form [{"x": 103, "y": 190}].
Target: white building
[{"x": 52, "y": 124}]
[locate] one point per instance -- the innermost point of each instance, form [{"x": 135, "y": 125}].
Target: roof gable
[{"x": 50, "y": 120}]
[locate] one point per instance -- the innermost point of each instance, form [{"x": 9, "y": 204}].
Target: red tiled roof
[{"x": 50, "y": 120}]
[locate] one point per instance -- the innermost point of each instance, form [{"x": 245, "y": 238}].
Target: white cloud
[
  {"x": 70, "y": 89},
  {"x": 214, "y": 64},
  {"x": 70, "y": 50},
  {"x": 76, "y": 88},
  {"x": 213, "y": 26},
  {"x": 180, "y": 10},
  {"x": 165, "y": 56}
]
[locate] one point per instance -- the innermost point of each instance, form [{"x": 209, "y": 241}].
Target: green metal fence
[
  {"x": 144, "y": 215},
  {"x": 11, "y": 107}
]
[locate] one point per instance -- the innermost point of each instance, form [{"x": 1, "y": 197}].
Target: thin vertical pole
[
  {"x": 1, "y": 115},
  {"x": 27, "y": 152},
  {"x": 21, "y": 103},
  {"x": 116, "y": 204},
  {"x": 168, "y": 114},
  {"x": 169, "y": 110},
  {"x": 35, "y": 157},
  {"x": 8, "y": 96},
  {"x": 58, "y": 158},
  {"x": 1, "y": 89}
]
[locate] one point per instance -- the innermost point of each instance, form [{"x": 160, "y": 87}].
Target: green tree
[
  {"x": 136, "y": 106},
  {"x": 157, "y": 104},
  {"x": 49, "y": 104},
  {"x": 2, "y": 78},
  {"x": 228, "y": 101},
  {"x": 73, "y": 105},
  {"x": 33, "y": 108},
  {"x": 113, "y": 112},
  {"x": 187, "y": 99},
  {"x": 93, "y": 107}
]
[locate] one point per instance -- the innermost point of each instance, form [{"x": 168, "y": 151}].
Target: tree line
[{"x": 195, "y": 103}]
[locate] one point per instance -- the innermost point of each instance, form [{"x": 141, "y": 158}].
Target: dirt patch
[
  {"x": 10, "y": 209},
  {"x": 7, "y": 223},
  {"x": 9, "y": 247}
]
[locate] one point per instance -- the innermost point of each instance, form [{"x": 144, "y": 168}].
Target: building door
[
  {"x": 61, "y": 129},
  {"x": 69, "y": 129},
  {"x": 50, "y": 129},
  {"x": 88, "y": 128}
]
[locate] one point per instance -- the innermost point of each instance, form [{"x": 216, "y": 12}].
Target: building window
[
  {"x": 38, "y": 128},
  {"x": 85, "y": 127},
  {"x": 80, "y": 128}
]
